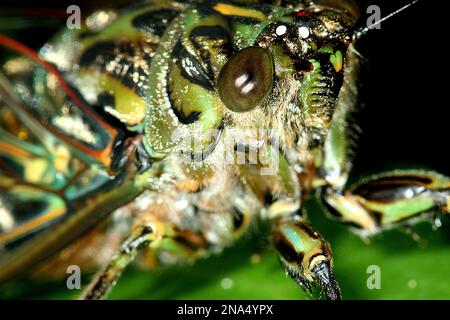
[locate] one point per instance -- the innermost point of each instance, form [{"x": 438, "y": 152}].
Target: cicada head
[
  {"x": 250, "y": 67},
  {"x": 289, "y": 79}
]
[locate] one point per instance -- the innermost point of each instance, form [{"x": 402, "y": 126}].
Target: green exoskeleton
[{"x": 189, "y": 120}]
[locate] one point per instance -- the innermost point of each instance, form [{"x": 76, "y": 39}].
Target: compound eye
[{"x": 246, "y": 79}]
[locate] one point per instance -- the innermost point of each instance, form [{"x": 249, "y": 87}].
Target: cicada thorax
[
  {"x": 109, "y": 58},
  {"x": 152, "y": 66}
]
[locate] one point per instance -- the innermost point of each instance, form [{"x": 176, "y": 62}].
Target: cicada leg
[
  {"x": 106, "y": 278},
  {"x": 153, "y": 236},
  {"x": 389, "y": 200},
  {"x": 306, "y": 255},
  {"x": 381, "y": 201}
]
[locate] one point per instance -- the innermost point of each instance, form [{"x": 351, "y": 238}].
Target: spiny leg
[
  {"x": 105, "y": 280},
  {"x": 390, "y": 199},
  {"x": 305, "y": 254},
  {"x": 152, "y": 236},
  {"x": 380, "y": 201}
]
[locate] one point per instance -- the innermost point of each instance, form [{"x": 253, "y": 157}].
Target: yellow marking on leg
[{"x": 352, "y": 211}]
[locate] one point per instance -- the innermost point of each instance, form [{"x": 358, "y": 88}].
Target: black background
[
  {"x": 404, "y": 93},
  {"x": 404, "y": 90}
]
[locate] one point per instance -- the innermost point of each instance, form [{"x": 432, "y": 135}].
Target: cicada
[{"x": 166, "y": 129}]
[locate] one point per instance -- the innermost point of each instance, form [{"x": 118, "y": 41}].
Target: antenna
[{"x": 363, "y": 31}]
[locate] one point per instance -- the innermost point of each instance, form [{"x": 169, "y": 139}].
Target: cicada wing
[{"x": 55, "y": 158}]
